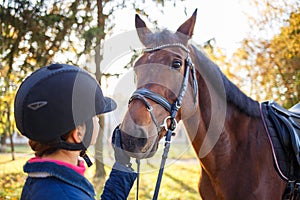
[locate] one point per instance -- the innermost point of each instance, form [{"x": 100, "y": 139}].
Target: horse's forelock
[{"x": 160, "y": 38}]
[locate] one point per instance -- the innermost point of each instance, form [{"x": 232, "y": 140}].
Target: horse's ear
[
  {"x": 142, "y": 29},
  {"x": 187, "y": 28}
]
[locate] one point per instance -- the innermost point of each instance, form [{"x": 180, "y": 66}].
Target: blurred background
[{"x": 256, "y": 44}]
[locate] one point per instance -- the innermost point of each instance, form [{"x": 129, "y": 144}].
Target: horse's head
[{"x": 166, "y": 88}]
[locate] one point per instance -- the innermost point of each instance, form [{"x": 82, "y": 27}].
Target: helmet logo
[{"x": 37, "y": 105}]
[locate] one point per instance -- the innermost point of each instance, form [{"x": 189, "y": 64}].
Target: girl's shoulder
[{"x": 52, "y": 188}]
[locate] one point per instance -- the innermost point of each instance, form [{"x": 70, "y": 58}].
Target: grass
[
  {"x": 180, "y": 178},
  {"x": 179, "y": 182},
  {"x": 12, "y": 177}
]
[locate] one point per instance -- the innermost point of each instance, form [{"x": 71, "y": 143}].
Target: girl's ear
[{"x": 77, "y": 134}]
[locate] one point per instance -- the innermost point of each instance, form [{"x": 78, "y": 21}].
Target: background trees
[
  {"x": 270, "y": 55},
  {"x": 36, "y": 33},
  {"x": 31, "y": 35}
]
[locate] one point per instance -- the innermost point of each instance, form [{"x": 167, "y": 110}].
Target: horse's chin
[
  {"x": 139, "y": 148},
  {"x": 142, "y": 155}
]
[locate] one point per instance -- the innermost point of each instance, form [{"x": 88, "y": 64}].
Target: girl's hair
[{"x": 41, "y": 149}]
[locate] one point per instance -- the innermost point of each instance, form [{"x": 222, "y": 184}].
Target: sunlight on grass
[
  {"x": 180, "y": 179},
  {"x": 12, "y": 177}
]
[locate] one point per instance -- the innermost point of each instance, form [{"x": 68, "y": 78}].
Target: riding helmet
[{"x": 55, "y": 99}]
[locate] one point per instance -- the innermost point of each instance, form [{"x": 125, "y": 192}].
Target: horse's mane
[{"x": 233, "y": 94}]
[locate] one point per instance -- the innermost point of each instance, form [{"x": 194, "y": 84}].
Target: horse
[{"x": 224, "y": 126}]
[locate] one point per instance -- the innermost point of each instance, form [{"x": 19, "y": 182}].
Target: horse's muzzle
[{"x": 139, "y": 147}]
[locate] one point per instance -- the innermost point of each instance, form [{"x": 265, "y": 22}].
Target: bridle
[{"x": 144, "y": 94}]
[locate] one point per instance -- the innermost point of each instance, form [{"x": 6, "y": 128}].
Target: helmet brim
[{"x": 110, "y": 105}]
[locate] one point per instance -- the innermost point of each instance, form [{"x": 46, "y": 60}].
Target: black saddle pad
[{"x": 284, "y": 138}]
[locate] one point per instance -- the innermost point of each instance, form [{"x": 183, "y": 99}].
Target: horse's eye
[{"x": 176, "y": 64}]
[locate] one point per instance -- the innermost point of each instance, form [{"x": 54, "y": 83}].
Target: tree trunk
[
  {"x": 100, "y": 171},
  {"x": 10, "y": 132},
  {"x": 3, "y": 143},
  {"x": 12, "y": 146}
]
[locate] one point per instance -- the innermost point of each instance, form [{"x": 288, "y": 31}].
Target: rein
[{"x": 143, "y": 94}]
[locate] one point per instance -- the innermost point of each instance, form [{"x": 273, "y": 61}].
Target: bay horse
[{"x": 224, "y": 125}]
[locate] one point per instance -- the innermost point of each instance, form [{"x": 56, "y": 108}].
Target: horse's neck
[
  {"x": 228, "y": 135},
  {"x": 207, "y": 124},
  {"x": 217, "y": 137},
  {"x": 215, "y": 117},
  {"x": 206, "y": 127}
]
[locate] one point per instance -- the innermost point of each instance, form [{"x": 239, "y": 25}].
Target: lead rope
[
  {"x": 162, "y": 164},
  {"x": 169, "y": 134},
  {"x": 161, "y": 170},
  {"x": 138, "y": 162}
]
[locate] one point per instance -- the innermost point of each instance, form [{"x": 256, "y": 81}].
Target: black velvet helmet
[{"x": 54, "y": 100}]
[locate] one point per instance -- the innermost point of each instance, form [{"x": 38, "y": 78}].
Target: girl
[{"x": 56, "y": 108}]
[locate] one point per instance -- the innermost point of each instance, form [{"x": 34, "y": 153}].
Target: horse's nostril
[{"x": 141, "y": 142}]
